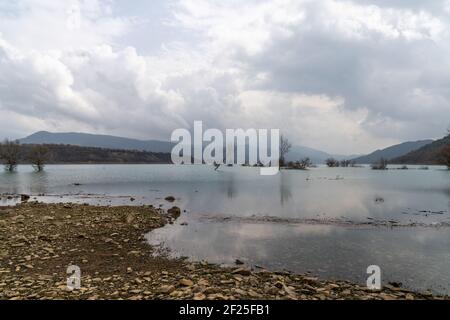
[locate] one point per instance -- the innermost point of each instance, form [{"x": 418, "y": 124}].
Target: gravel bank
[{"x": 39, "y": 241}]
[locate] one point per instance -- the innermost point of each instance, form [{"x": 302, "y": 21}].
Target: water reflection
[
  {"x": 11, "y": 180},
  {"x": 38, "y": 182},
  {"x": 24, "y": 182},
  {"x": 418, "y": 258},
  {"x": 231, "y": 186},
  {"x": 285, "y": 188}
]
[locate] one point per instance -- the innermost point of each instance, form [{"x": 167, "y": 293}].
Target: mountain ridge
[
  {"x": 429, "y": 154},
  {"x": 116, "y": 142},
  {"x": 97, "y": 141},
  {"x": 392, "y": 152},
  {"x": 316, "y": 156},
  {"x": 297, "y": 152}
]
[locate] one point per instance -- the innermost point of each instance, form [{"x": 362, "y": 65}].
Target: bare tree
[
  {"x": 305, "y": 163},
  {"x": 285, "y": 147},
  {"x": 9, "y": 153},
  {"x": 331, "y": 162},
  {"x": 345, "y": 163},
  {"x": 302, "y": 164},
  {"x": 38, "y": 156},
  {"x": 380, "y": 165}
]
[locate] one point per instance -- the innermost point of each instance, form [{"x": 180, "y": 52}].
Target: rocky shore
[{"x": 39, "y": 241}]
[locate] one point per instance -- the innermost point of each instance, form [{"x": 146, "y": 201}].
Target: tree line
[
  {"x": 333, "y": 163},
  {"x": 12, "y": 153}
]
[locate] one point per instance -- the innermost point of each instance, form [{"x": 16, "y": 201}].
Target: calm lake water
[{"x": 270, "y": 221}]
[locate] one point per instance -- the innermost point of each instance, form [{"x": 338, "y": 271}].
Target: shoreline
[{"x": 39, "y": 241}]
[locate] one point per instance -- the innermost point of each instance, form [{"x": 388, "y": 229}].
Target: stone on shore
[{"x": 39, "y": 241}]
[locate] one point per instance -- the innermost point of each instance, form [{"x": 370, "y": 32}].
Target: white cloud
[
  {"x": 362, "y": 22},
  {"x": 54, "y": 25},
  {"x": 344, "y": 76}
]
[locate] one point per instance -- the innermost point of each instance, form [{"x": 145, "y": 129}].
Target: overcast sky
[{"x": 341, "y": 76}]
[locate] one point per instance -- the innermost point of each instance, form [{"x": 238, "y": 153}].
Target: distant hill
[
  {"x": 114, "y": 142},
  {"x": 392, "y": 152},
  {"x": 97, "y": 140},
  {"x": 316, "y": 156},
  {"x": 67, "y": 154},
  {"x": 429, "y": 154}
]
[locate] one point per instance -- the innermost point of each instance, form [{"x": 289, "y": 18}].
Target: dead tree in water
[
  {"x": 38, "y": 156},
  {"x": 285, "y": 147},
  {"x": 305, "y": 163},
  {"x": 9, "y": 153},
  {"x": 380, "y": 165},
  {"x": 345, "y": 163},
  {"x": 331, "y": 162}
]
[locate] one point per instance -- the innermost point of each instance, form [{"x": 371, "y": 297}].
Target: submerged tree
[
  {"x": 38, "y": 156},
  {"x": 331, "y": 162},
  {"x": 10, "y": 153},
  {"x": 302, "y": 164},
  {"x": 305, "y": 163},
  {"x": 285, "y": 147},
  {"x": 345, "y": 163},
  {"x": 380, "y": 165}
]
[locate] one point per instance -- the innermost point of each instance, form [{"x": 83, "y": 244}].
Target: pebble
[
  {"x": 186, "y": 282},
  {"x": 42, "y": 239}
]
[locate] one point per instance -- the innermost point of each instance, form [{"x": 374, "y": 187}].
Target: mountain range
[
  {"x": 113, "y": 142},
  {"x": 392, "y": 152},
  {"x": 97, "y": 140},
  {"x": 428, "y": 154},
  {"x": 157, "y": 146},
  {"x": 316, "y": 156}
]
